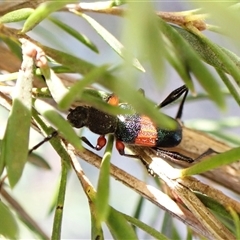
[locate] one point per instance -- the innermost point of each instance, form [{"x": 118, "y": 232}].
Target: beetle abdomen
[{"x": 168, "y": 138}]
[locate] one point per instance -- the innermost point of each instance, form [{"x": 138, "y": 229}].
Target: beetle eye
[{"x": 78, "y": 116}]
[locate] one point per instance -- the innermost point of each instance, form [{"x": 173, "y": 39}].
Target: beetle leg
[
  {"x": 141, "y": 91},
  {"x": 206, "y": 153},
  {"x": 46, "y": 139},
  {"x": 101, "y": 142},
  {"x": 173, "y": 156},
  {"x": 121, "y": 149}
]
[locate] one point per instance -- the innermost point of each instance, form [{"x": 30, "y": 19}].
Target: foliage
[{"x": 42, "y": 88}]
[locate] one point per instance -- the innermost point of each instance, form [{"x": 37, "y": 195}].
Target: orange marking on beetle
[
  {"x": 147, "y": 135},
  {"x": 113, "y": 100}
]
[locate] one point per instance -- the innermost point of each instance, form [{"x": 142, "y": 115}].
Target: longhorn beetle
[{"x": 132, "y": 128}]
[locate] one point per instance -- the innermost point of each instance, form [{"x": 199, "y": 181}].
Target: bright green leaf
[
  {"x": 148, "y": 229},
  {"x": 77, "y": 65},
  {"x": 80, "y": 37},
  {"x": 102, "y": 195},
  {"x": 42, "y": 12},
  {"x": 111, "y": 40},
  {"x": 55, "y": 84},
  {"x": 17, "y": 15},
  {"x": 119, "y": 227},
  {"x": 143, "y": 37},
  {"x": 96, "y": 229},
  {"x": 215, "y": 161},
  {"x": 76, "y": 90}
]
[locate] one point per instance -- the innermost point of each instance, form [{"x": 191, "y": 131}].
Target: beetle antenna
[
  {"x": 173, "y": 96},
  {"x": 180, "y": 109}
]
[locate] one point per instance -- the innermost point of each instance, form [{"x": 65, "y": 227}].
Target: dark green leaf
[
  {"x": 167, "y": 225},
  {"x": 8, "y": 226},
  {"x": 194, "y": 64},
  {"x": 13, "y": 45},
  {"x": 38, "y": 161}
]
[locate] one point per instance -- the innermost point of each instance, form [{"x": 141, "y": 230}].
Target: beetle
[{"x": 132, "y": 128}]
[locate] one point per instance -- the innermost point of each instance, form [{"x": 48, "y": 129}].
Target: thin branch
[{"x": 147, "y": 191}]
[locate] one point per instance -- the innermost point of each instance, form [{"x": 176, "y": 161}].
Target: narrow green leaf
[
  {"x": 139, "y": 208},
  {"x": 176, "y": 233},
  {"x": 59, "y": 122},
  {"x": 111, "y": 40},
  {"x": 205, "y": 51},
  {"x": 15, "y": 142},
  {"x": 143, "y": 37},
  {"x": 167, "y": 225},
  {"x": 230, "y": 66},
  {"x": 13, "y": 45},
  {"x": 8, "y": 77},
  {"x": 80, "y": 37},
  {"x": 153, "y": 232},
  {"x": 189, "y": 234},
  {"x": 103, "y": 187},
  {"x": 77, "y": 65},
  {"x": 38, "y": 161},
  {"x": 194, "y": 64},
  {"x": 218, "y": 160},
  {"x": 76, "y": 90},
  {"x": 17, "y": 15},
  {"x": 8, "y": 226},
  {"x": 214, "y": 205},
  {"x": 42, "y": 12},
  {"x": 119, "y": 227},
  {"x": 2, "y": 163},
  {"x": 54, "y": 83},
  {"x": 61, "y": 69},
  {"x": 53, "y": 201},
  {"x": 96, "y": 229},
  {"x": 178, "y": 65},
  {"x": 236, "y": 220},
  {"x": 16, "y": 137},
  {"x": 227, "y": 137},
  {"x": 231, "y": 87},
  {"x": 208, "y": 125},
  {"x": 229, "y": 23},
  {"x": 57, "y": 223}
]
